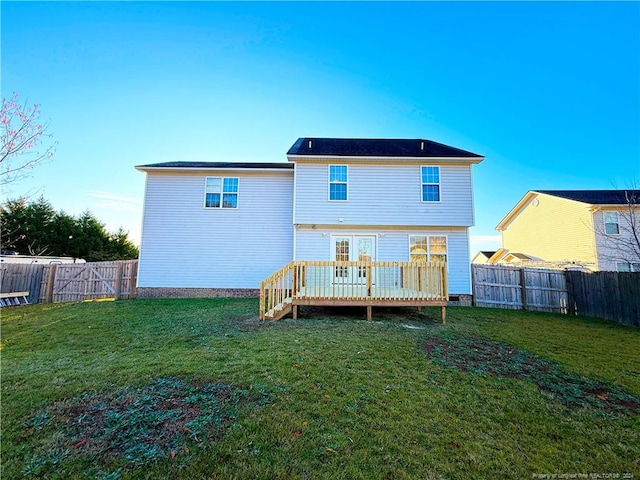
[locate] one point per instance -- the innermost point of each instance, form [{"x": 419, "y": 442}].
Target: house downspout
[
  {"x": 595, "y": 235},
  {"x": 293, "y": 223}
]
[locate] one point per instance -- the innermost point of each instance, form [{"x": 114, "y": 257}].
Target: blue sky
[{"x": 549, "y": 92}]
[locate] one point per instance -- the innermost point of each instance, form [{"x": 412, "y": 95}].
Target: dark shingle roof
[
  {"x": 596, "y": 197},
  {"x": 228, "y": 165},
  {"x": 375, "y": 147}
]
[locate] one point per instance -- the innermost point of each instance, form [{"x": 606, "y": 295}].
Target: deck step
[{"x": 279, "y": 311}]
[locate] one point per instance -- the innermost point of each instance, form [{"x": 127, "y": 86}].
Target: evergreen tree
[{"x": 35, "y": 228}]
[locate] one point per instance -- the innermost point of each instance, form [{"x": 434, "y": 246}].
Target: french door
[{"x": 352, "y": 248}]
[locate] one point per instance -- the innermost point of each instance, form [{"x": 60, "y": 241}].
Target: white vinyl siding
[
  {"x": 382, "y": 194},
  {"x": 186, "y": 245},
  {"x": 315, "y": 244}
]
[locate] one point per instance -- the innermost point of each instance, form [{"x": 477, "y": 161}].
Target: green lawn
[{"x": 327, "y": 396}]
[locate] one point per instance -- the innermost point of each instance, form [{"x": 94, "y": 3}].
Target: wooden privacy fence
[
  {"x": 520, "y": 288},
  {"x": 610, "y": 295},
  {"x": 76, "y": 282},
  {"x": 22, "y": 277},
  {"x": 71, "y": 282}
]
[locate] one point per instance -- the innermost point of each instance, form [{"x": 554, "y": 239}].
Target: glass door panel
[
  {"x": 341, "y": 252},
  {"x": 365, "y": 253}
]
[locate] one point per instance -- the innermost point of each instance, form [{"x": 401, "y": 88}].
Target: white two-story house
[{"x": 219, "y": 229}]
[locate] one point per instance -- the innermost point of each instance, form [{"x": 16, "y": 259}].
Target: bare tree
[
  {"x": 24, "y": 141},
  {"x": 620, "y": 237}
]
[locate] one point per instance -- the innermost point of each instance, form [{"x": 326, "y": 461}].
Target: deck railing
[
  {"x": 332, "y": 282},
  {"x": 277, "y": 289}
]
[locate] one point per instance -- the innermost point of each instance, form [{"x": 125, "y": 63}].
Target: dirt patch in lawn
[
  {"x": 486, "y": 357},
  {"x": 132, "y": 426}
]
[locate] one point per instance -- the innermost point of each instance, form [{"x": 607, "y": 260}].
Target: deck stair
[
  {"x": 337, "y": 283},
  {"x": 279, "y": 311}
]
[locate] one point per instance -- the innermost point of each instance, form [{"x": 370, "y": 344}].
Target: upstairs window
[
  {"x": 430, "y": 179},
  {"x": 611, "y": 225},
  {"x": 221, "y": 192},
  {"x": 427, "y": 248},
  {"x": 338, "y": 182}
]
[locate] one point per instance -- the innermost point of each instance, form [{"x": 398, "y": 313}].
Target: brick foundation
[
  {"x": 460, "y": 300},
  {"x": 173, "y": 292}
]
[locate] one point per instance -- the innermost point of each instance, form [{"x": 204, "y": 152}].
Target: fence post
[
  {"x": 118, "y": 285},
  {"x": 523, "y": 287},
  {"x": 473, "y": 285},
  {"x": 51, "y": 283}
]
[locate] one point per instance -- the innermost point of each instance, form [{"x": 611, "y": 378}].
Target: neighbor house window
[
  {"x": 628, "y": 267},
  {"x": 427, "y": 248},
  {"x": 338, "y": 182},
  {"x": 430, "y": 179},
  {"x": 611, "y": 226},
  {"x": 221, "y": 192}
]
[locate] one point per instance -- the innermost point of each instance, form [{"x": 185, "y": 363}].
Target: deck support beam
[
  {"x": 369, "y": 312},
  {"x": 295, "y": 312},
  {"x": 443, "y": 312}
]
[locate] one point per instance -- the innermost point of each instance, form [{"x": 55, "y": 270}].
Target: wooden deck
[{"x": 368, "y": 284}]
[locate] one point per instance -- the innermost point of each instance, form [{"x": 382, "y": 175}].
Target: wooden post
[
  {"x": 443, "y": 313},
  {"x": 51, "y": 282},
  {"x": 368, "y": 274},
  {"x": 369, "y": 312},
  {"x": 445, "y": 281},
  {"x": 473, "y": 285},
  {"x": 295, "y": 312},
  {"x": 262, "y": 300},
  {"x": 134, "y": 279},
  {"x": 523, "y": 288},
  {"x": 118, "y": 285},
  {"x": 294, "y": 283}
]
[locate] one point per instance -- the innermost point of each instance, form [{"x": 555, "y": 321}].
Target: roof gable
[
  {"x": 589, "y": 197},
  {"x": 376, "y": 147}
]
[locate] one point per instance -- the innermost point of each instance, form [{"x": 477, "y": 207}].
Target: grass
[{"x": 327, "y": 396}]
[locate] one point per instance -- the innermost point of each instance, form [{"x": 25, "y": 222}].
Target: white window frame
[
  {"x": 616, "y": 223},
  {"x": 346, "y": 184},
  {"x": 428, "y": 252},
  {"x": 424, "y": 184},
  {"x": 222, "y": 193}
]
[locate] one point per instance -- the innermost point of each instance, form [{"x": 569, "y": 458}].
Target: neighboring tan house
[
  {"x": 483, "y": 257},
  {"x": 592, "y": 229},
  {"x": 213, "y": 228}
]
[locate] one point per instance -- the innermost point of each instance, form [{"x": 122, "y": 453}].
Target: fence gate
[
  {"x": 86, "y": 281},
  {"x": 520, "y": 288}
]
